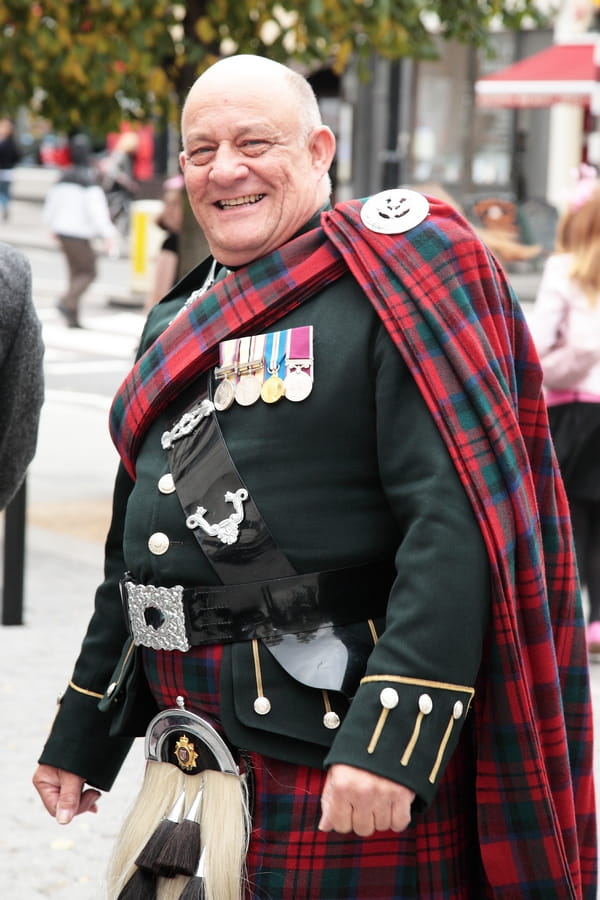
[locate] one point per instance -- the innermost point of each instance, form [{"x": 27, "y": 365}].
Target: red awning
[{"x": 563, "y": 73}]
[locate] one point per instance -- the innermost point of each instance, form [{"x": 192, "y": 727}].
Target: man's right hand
[{"x": 62, "y": 793}]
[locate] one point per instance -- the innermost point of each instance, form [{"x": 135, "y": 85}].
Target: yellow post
[{"x": 145, "y": 240}]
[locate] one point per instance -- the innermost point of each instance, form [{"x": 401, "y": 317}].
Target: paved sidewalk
[
  {"x": 41, "y": 859},
  {"x": 69, "y": 488}
]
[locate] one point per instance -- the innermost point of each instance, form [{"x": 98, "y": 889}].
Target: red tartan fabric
[
  {"x": 289, "y": 859},
  {"x": 539, "y": 656},
  {"x": 448, "y": 308}
]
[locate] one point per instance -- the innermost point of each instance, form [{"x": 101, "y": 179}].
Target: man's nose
[{"x": 228, "y": 164}]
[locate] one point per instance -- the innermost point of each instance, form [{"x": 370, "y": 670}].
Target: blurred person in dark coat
[
  {"x": 21, "y": 372},
  {"x": 76, "y": 211}
]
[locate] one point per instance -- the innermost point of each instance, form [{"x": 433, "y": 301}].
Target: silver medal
[
  {"x": 394, "y": 211},
  {"x": 224, "y": 395},
  {"x": 298, "y": 386},
  {"x": 247, "y": 390}
]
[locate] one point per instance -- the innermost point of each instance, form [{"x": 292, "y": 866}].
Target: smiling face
[{"x": 255, "y": 158}]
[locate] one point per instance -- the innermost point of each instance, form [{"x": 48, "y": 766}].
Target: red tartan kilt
[{"x": 437, "y": 858}]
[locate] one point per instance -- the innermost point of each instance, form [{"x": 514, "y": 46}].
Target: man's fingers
[
  {"x": 62, "y": 793},
  {"x": 355, "y": 800},
  {"x": 89, "y": 801},
  {"x": 401, "y": 816},
  {"x": 46, "y": 781}
]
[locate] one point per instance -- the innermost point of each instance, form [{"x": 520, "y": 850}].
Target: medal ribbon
[
  {"x": 227, "y": 358},
  {"x": 300, "y": 349},
  {"x": 275, "y": 350},
  {"x": 256, "y": 353},
  {"x": 243, "y": 367}
]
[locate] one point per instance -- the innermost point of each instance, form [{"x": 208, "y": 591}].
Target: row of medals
[{"x": 252, "y": 386}]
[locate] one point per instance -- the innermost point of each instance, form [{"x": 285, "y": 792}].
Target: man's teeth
[{"x": 240, "y": 201}]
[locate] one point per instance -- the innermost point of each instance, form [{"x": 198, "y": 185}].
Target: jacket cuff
[
  {"x": 79, "y": 741},
  {"x": 404, "y": 729}
]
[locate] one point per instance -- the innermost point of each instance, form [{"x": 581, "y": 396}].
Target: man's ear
[{"x": 322, "y": 148}]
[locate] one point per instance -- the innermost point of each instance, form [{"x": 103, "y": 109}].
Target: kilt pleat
[{"x": 436, "y": 858}]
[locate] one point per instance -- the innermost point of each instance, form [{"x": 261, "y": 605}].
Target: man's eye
[
  {"x": 200, "y": 155},
  {"x": 254, "y": 147}
]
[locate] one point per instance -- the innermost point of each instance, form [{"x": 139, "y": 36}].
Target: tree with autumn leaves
[{"x": 94, "y": 63}]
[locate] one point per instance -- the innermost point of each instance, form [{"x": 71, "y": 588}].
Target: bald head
[{"x": 266, "y": 76}]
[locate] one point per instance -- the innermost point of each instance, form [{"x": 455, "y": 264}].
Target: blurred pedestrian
[
  {"x": 171, "y": 221},
  {"x": 77, "y": 212},
  {"x": 566, "y": 328},
  {"x": 10, "y": 155},
  {"x": 118, "y": 179},
  {"x": 21, "y": 372}
]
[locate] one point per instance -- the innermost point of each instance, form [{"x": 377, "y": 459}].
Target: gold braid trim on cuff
[
  {"x": 81, "y": 690},
  {"x": 406, "y": 756},
  {"x": 404, "y": 679}
]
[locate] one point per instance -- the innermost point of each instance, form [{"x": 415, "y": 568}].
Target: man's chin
[{"x": 240, "y": 252}]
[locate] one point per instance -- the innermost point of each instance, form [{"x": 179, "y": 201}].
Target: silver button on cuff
[
  {"x": 425, "y": 704},
  {"x": 389, "y": 698},
  {"x": 158, "y": 543},
  {"x": 458, "y": 710}
]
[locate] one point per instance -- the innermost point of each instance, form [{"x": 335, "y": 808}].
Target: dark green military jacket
[{"x": 356, "y": 473}]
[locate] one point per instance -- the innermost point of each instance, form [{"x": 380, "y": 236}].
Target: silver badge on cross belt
[
  {"x": 227, "y": 531},
  {"x": 394, "y": 211}
]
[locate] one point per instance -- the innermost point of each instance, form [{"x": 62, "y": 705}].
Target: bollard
[
  {"x": 14, "y": 559},
  {"x": 146, "y": 238}
]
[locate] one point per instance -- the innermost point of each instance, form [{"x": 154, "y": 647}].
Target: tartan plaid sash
[
  {"x": 448, "y": 308},
  {"x": 255, "y": 296}
]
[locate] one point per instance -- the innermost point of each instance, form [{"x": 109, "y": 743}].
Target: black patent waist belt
[{"x": 177, "y": 618}]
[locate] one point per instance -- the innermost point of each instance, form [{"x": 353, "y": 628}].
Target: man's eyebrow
[{"x": 243, "y": 131}]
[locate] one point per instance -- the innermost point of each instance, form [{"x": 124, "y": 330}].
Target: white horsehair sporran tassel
[{"x": 191, "y": 816}]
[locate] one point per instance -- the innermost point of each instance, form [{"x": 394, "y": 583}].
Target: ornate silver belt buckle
[{"x": 157, "y": 617}]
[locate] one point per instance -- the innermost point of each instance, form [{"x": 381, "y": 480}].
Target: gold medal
[{"x": 273, "y": 389}]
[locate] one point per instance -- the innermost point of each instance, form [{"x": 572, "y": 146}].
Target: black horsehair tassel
[
  {"x": 181, "y": 851},
  {"x": 141, "y": 886},
  {"x": 149, "y": 853},
  {"x": 194, "y": 889}
]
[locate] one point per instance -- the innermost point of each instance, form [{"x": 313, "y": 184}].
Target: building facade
[{"x": 419, "y": 123}]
